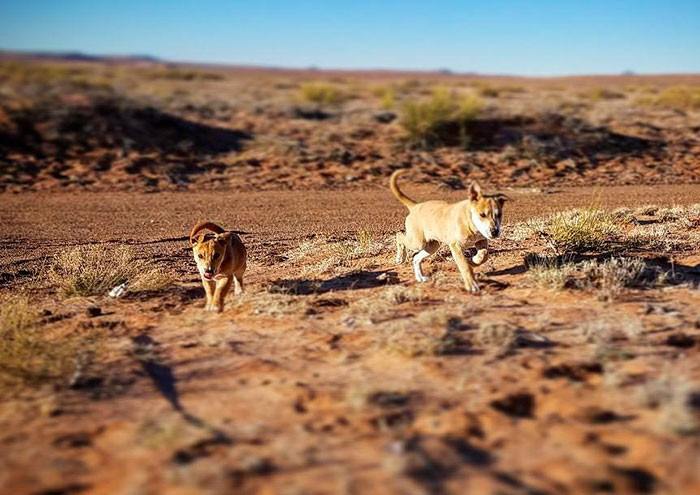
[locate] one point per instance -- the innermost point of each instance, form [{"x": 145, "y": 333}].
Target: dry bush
[
  {"x": 388, "y": 99},
  {"x": 578, "y": 231},
  {"x": 675, "y": 97},
  {"x": 380, "y": 306},
  {"x": 609, "y": 277},
  {"x": 426, "y": 121},
  {"x": 275, "y": 304},
  {"x": 95, "y": 270},
  {"x": 598, "y": 94},
  {"x": 407, "y": 339},
  {"x": 28, "y": 356},
  {"x": 670, "y": 396},
  {"x": 495, "y": 334},
  {"x": 321, "y": 93},
  {"x": 357, "y": 253},
  {"x": 548, "y": 272}
]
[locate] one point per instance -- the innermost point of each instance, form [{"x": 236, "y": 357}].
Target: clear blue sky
[{"x": 506, "y": 37}]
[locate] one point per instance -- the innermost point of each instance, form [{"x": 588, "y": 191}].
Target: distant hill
[{"x": 76, "y": 57}]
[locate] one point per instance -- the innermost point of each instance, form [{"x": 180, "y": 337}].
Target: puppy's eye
[
  {"x": 216, "y": 255},
  {"x": 483, "y": 215},
  {"x": 200, "y": 256}
]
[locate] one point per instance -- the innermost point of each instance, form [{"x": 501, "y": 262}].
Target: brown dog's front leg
[
  {"x": 464, "y": 268},
  {"x": 223, "y": 285},
  {"x": 482, "y": 253},
  {"x": 209, "y": 293}
]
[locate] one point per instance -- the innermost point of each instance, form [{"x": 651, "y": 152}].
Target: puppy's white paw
[
  {"x": 421, "y": 278},
  {"x": 472, "y": 287}
]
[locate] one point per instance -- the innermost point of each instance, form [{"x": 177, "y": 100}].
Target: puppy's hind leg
[
  {"x": 238, "y": 284},
  {"x": 400, "y": 247},
  {"x": 418, "y": 258}
]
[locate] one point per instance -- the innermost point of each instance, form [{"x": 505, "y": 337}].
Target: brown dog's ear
[
  {"x": 194, "y": 241},
  {"x": 474, "y": 191},
  {"x": 223, "y": 238}
]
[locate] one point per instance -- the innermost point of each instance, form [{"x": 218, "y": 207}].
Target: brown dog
[
  {"x": 432, "y": 223},
  {"x": 221, "y": 261}
]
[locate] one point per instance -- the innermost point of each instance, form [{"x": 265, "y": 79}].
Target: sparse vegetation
[
  {"x": 577, "y": 231},
  {"x": 95, "y": 270},
  {"x": 609, "y": 276},
  {"x": 675, "y": 97},
  {"x": 431, "y": 122},
  {"x": 321, "y": 93},
  {"x": 28, "y": 354}
]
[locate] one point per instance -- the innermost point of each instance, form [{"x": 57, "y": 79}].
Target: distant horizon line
[{"x": 82, "y": 56}]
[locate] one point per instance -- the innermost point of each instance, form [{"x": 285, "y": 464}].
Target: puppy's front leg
[
  {"x": 223, "y": 285},
  {"x": 209, "y": 292},
  {"x": 482, "y": 253},
  {"x": 464, "y": 268}
]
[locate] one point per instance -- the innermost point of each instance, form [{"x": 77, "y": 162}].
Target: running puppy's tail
[{"x": 407, "y": 202}]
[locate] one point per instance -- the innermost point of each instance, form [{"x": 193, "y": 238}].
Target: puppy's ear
[
  {"x": 474, "y": 191},
  {"x": 501, "y": 198},
  {"x": 194, "y": 241}
]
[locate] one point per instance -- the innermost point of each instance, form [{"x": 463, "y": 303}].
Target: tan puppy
[
  {"x": 221, "y": 261},
  {"x": 428, "y": 225}
]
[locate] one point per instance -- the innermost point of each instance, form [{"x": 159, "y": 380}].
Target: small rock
[
  {"x": 93, "y": 311},
  {"x": 384, "y": 117},
  {"x": 119, "y": 290}
]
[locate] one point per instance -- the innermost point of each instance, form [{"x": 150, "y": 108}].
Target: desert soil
[
  {"x": 335, "y": 372},
  {"x": 315, "y": 399}
]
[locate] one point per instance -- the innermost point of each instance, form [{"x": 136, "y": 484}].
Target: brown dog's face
[
  {"x": 209, "y": 250},
  {"x": 486, "y": 211}
]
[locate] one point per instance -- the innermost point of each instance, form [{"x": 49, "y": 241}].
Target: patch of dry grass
[
  {"x": 580, "y": 231},
  {"x": 669, "y": 395},
  {"x": 425, "y": 121},
  {"x": 358, "y": 253},
  {"x": 675, "y": 97},
  {"x": 95, "y": 270},
  {"x": 408, "y": 339},
  {"x": 29, "y": 356},
  {"x": 321, "y": 93},
  {"x": 609, "y": 276},
  {"x": 276, "y": 304},
  {"x": 381, "y": 306}
]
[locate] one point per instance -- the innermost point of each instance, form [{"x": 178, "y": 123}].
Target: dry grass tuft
[
  {"x": 495, "y": 334},
  {"x": 356, "y": 254},
  {"x": 272, "y": 303},
  {"x": 609, "y": 277},
  {"x": 28, "y": 356},
  {"x": 409, "y": 340},
  {"x": 579, "y": 231},
  {"x": 427, "y": 121},
  {"x": 676, "y": 97},
  {"x": 381, "y": 306},
  {"x": 321, "y": 93},
  {"x": 670, "y": 396},
  {"x": 95, "y": 270}
]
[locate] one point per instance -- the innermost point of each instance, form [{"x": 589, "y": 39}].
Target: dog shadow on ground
[
  {"x": 144, "y": 350},
  {"x": 361, "y": 279}
]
